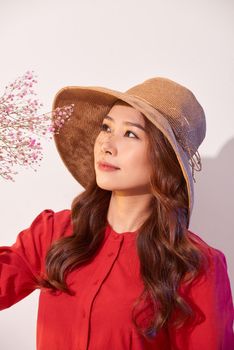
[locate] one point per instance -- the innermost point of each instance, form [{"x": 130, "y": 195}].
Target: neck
[{"x": 127, "y": 211}]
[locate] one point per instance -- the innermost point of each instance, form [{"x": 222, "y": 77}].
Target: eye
[{"x": 104, "y": 126}]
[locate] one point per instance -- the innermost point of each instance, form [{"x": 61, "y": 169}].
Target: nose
[{"x": 107, "y": 145}]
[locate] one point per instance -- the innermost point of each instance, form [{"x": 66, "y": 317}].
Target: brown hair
[{"x": 166, "y": 252}]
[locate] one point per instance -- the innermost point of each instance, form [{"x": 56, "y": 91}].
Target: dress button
[
  {"x": 110, "y": 254},
  {"x": 96, "y": 282}
]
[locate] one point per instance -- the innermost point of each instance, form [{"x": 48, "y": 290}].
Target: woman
[{"x": 121, "y": 269}]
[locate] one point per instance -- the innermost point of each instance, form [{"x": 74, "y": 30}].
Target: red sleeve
[
  {"x": 212, "y": 295},
  {"x": 21, "y": 263}
]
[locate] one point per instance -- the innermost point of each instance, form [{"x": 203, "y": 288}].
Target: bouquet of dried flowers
[{"x": 21, "y": 127}]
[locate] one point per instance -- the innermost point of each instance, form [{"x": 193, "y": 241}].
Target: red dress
[{"x": 98, "y": 316}]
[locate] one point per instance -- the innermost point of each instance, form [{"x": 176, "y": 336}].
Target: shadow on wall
[{"x": 213, "y": 215}]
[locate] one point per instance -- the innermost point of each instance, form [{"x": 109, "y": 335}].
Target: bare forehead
[{"x": 122, "y": 110}]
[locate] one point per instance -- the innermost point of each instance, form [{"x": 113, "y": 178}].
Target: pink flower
[
  {"x": 32, "y": 142},
  {"x": 19, "y": 121}
]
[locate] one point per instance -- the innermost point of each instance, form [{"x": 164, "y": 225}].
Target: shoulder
[
  {"x": 33, "y": 242},
  {"x": 210, "y": 297},
  {"x": 45, "y": 228},
  {"x": 201, "y": 243},
  {"x": 213, "y": 287},
  {"x": 61, "y": 218},
  {"x": 57, "y": 223},
  {"x": 215, "y": 257}
]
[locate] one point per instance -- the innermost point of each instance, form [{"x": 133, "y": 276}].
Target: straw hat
[{"x": 171, "y": 107}]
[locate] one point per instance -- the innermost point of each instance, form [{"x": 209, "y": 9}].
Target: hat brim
[{"x": 75, "y": 141}]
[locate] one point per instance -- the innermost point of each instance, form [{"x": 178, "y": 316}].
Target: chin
[{"x": 104, "y": 186}]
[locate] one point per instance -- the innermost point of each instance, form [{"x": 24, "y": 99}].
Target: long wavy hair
[{"x": 168, "y": 255}]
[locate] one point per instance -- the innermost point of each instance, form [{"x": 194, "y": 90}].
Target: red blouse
[{"x": 98, "y": 316}]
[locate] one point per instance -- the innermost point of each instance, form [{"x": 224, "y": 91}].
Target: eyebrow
[{"x": 127, "y": 122}]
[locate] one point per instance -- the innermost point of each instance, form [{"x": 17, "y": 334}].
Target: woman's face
[{"x": 123, "y": 145}]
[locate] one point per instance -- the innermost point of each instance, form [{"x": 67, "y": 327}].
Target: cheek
[
  {"x": 136, "y": 159},
  {"x": 136, "y": 169}
]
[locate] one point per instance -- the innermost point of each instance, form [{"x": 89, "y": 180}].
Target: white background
[{"x": 118, "y": 44}]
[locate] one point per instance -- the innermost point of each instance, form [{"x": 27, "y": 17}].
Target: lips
[{"x": 108, "y": 165}]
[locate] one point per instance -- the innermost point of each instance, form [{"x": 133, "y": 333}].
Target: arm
[
  {"x": 212, "y": 295},
  {"x": 21, "y": 263}
]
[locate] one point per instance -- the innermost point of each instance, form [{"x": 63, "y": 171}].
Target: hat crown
[{"x": 180, "y": 107}]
